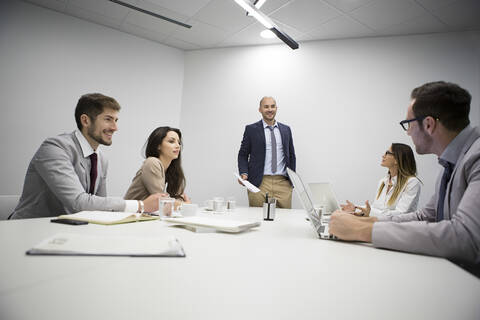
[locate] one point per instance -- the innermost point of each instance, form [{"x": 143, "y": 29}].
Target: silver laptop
[
  {"x": 323, "y": 195},
  {"x": 319, "y": 222}
]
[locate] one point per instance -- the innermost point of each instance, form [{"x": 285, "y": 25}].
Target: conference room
[{"x": 342, "y": 92}]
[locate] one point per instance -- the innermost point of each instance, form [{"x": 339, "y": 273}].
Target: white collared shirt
[
  {"x": 87, "y": 150},
  {"x": 406, "y": 201},
  {"x": 281, "y": 170}
]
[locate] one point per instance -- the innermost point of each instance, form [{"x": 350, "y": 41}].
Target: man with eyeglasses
[{"x": 449, "y": 224}]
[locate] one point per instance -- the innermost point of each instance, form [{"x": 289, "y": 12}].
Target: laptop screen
[
  {"x": 305, "y": 199},
  {"x": 322, "y": 193}
]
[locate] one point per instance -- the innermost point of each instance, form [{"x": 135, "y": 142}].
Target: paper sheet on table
[{"x": 247, "y": 184}]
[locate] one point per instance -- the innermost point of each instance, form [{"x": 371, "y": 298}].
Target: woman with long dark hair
[
  {"x": 162, "y": 167},
  {"x": 398, "y": 192}
]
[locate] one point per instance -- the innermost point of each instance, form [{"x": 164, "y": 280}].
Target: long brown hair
[
  {"x": 407, "y": 168},
  {"x": 174, "y": 174}
]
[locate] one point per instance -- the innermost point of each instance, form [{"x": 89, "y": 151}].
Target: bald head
[
  {"x": 267, "y": 97},
  {"x": 268, "y": 109}
]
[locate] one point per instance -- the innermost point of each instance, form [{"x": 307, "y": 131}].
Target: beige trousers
[{"x": 278, "y": 187}]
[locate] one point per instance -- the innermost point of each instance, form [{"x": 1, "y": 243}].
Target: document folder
[{"x": 95, "y": 245}]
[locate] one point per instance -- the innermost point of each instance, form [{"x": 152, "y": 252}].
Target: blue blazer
[{"x": 251, "y": 157}]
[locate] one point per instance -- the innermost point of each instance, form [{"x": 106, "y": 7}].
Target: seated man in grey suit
[
  {"x": 449, "y": 225},
  {"x": 68, "y": 172}
]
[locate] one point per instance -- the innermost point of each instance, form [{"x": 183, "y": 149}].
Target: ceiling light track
[
  {"x": 153, "y": 14},
  {"x": 267, "y": 23}
]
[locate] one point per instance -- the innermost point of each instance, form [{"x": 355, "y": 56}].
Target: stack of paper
[
  {"x": 232, "y": 226},
  {"x": 246, "y": 183}
]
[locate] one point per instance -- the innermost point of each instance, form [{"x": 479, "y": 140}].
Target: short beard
[
  {"x": 424, "y": 143},
  {"x": 97, "y": 138}
]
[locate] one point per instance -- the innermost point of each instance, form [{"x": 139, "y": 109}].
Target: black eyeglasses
[
  {"x": 406, "y": 123},
  {"x": 388, "y": 153}
]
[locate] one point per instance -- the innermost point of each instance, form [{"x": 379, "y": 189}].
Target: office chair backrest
[{"x": 7, "y": 204}]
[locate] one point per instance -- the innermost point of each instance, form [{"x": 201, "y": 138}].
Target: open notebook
[
  {"x": 108, "y": 217},
  {"x": 224, "y": 225},
  {"x": 100, "y": 245}
]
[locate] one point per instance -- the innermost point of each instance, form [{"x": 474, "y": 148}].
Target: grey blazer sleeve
[
  {"x": 53, "y": 163},
  {"x": 427, "y": 213}
]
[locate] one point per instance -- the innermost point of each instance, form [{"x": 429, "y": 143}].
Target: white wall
[
  {"x": 343, "y": 100},
  {"x": 48, "y": 60}
]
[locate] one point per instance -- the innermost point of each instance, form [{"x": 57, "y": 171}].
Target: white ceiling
[{"x": 222, "y": 23}]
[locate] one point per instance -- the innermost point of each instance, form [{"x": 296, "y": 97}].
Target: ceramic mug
[{"x": 188, "y": 209}]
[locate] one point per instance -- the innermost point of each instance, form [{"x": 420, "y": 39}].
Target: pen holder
[{"x": 269, "y": 209}]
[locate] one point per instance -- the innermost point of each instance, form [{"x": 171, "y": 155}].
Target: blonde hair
[{"x": 407, "y": 168}]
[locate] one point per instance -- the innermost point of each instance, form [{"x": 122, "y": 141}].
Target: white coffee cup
[{"x": 188, "y": 209}]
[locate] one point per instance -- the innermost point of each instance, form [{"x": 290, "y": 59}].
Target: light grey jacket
[
  {"x": 457, "y": 237},
  {"x": 57, "y": 182}
]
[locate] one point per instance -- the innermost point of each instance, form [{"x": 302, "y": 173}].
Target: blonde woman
[{"x": 398, "y": 192}]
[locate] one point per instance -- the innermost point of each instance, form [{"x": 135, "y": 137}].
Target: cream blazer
[{"x": 148, "y": 180}]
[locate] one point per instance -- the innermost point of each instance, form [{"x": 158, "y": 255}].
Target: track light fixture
[{"x": 267, "y": 22}]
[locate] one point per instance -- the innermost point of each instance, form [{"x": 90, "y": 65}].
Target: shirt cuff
[
  {"x": 131, "y": 206},
  {"x": 383, "y": 217}
]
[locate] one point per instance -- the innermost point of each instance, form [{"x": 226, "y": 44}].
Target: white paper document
[
  {"x": 94, "y": 245},
  {"x": 247, "y": 183},
  {"x": 104, "y": 216},
  {"x": 108, "y": 217},
  {"x": 225, "y": 225}
]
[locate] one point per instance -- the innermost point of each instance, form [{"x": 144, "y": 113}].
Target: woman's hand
[
  {"x": 364, "y": 212},
  {"x": 349, "y": 207},
  {"x": 184, "y": 199}
]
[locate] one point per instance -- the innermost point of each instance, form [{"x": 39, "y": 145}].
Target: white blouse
[{"x": 407, "y": 200}]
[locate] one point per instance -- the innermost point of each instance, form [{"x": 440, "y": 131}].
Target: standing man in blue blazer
[{"x": 265, "y": 154}]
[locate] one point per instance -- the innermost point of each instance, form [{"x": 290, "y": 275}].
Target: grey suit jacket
[
  {"x": 457, "y": 237},
  {"x": 57, "y": 182}
]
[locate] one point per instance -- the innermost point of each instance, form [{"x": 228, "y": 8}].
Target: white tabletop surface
[{"x": 280, "y": 270}]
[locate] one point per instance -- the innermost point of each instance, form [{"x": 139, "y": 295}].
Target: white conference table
[{"x": 280, "y": 270}]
